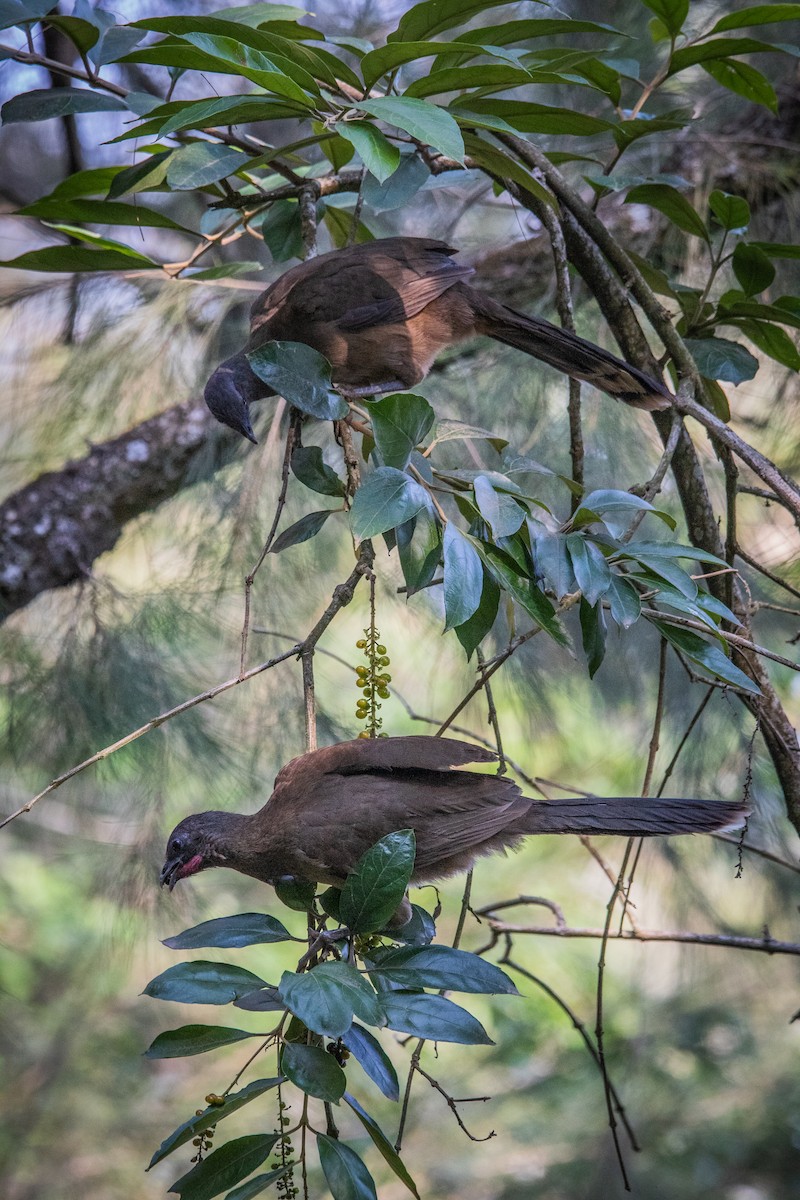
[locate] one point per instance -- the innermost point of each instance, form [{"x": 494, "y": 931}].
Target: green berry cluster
[
  {"x": 372, "y": 680},
  {"x": 202, "y": 1143}
]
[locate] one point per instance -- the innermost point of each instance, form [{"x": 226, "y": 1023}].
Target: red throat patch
[{"x": 191, "y": 867}]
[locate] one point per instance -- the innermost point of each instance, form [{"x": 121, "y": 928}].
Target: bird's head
[
  {"x": 229, "y": 392},
  {"x": 194, "y": 845}
]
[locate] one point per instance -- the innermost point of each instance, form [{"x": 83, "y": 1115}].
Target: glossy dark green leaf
[
  {"x": 387, "y": 498},
  {"x": 225, "y": 1167},
  {"x": 430, "y": 17},
  {"x": 531, "y": 598},
  {"x": 326, "y": 998},
  {"x": 274, "y": 72},
  {"x": 79, "y": 258},
  {"x": 617, "y": 508},
  {"x": 400, "y": 422},
  {"x": 378, "y": 154},
  {"x": 489, "y": 78},
  {"x": 785, "y": 310},
  {"x": 752, "y": 268},
  {"x": 258, "y": 1184},
  {"x": 665, "y": 568},
  {"x": 266, "y": 999},
  {"x": 624, "y": 600},
  {"x": 419, "y": 544},
  {"x": 194, "y": 1039},
  {"x": 301, "y": 375},
  {"x": 211, "y": 1115},
  {"x": 245, "y": 929},
  {"x": 593, "y": 634},
  {"x": 426, "y": 122},
  {"x": 471, "y": 633},
  {"x": 706, "y": 655},
  {"x": 345, "y": 1173},
  {"x": 113, "y": 43},
  {"x": 377, "y": 885},
  {"x": 202, "y": 163},
  {"x": 217, "y": 110},
  {"x": 669, "y": 201},
  {"x": 591, "y": 570},
  {"x": 527, "y": 117},
  {"x": 704, "y": 51},
  {"x": 373, "y": 1060},
  {"x": 440, "y": 966},
  {"x": 757, "y": 14},
  {"x": 314, "y": 1071},
  {"x": 732, "y": 212},
  {"x": 297, "y": 894},
  {"x": 433, "y": 1017},
  {"x": 95, "y": 181},
  {"x": 499, "y": 510},
  {"x": 773, "y": 340},
  {"x": 396, "y": 54},
  {"x": 718, "y": 358},
  {"x": 463, "y": 577},
  {"x": 399, "y": 188},
  {"x": 673, "y": 550},
  {"x": 17, "y": 12},
  {"x": 635, "y": 128},
  {"x": 301, "y": 531},
  {"x": 309, "y": 467},
  {"x": 743, "y": 79},
  {"x": 98, "y": 212},
  {"x": 202, "y": 983},
  {"x": 43, "y": 104},
  {"x": 145, "y": 176},
  {"x": 382, "y": 1143}
]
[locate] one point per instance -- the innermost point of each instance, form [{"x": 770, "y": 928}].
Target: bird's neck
[
  {"x": 241, "y": 843},
  {"x": 247, "y": 383}
]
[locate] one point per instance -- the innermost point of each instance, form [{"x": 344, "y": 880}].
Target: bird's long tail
[
  {"x": 568, "y": 353},
  {"x": 640, "y": 816}
]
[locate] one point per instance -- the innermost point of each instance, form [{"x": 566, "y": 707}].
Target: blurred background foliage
[{"x": 699, "y": 1040}]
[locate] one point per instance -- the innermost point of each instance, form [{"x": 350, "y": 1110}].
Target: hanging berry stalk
[{"x": 372, "y": 679}]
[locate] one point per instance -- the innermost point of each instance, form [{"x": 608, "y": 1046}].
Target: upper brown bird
[
  {"x": 330, "y": 806},
  {"x": 380, "y": 312}
]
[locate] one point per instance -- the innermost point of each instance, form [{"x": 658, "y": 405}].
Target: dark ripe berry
[
  {"x": 197, "y": 1141},
  {"x": 198, "y": 1112}
]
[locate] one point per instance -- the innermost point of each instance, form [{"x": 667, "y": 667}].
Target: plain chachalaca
[
  {"x": 331, "y": 805},
  {"x": 382, "y": 311}
]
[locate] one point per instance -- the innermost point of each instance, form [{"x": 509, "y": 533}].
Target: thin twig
[
  {"x": 693, "y": 721},
  {"x": 733, "y": 638},
  {"x": 452, "y": 1103}
]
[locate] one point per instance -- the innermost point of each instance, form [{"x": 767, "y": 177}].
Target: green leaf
[
  {"x": 194, "y": 1039},
  {"x": 552, "y": 561},
  {"x": 225, "y": 1167},
  {"x": 669, "y": 201},
  {"x": 707, "y": 656},
  {"x": 377, "y": 885},
  {"x": 702, "y": 52},
  {"x": 245, "y": 929},
  {"x": 282, "y": 231},
  {"x": 228, "y": 270},
  {"x": 732, "y": 212},
  {"x": 671, "y": 13},
  {"x": 43, "y": 104},
  {"x": 419, "y": 544},
  {"x": 773, "y": 341},
  {"x": 314, "y": 1071},
  {"x": 386, "y": 499},
  {"x": 399, "y": 423},
  {"x": 433, "y": 1017},
  {"x": 535, "y": 118},
  {"x": 395, "y": 192},
  {"x": 664, "y": 568},
  {"x": 523, "y": 590},
  {"x": 752, "y": 268},
  {"x": 145, "y": 176},
  {"x": 378, "y": 154},
  {"x": 472, "y": 632},
  {"x": 308, "y": 466},
  {"x": 397, "y": 54},
  {"x": 614, "y": 507},
  {"x": 426, "y": 122},
  {"x": 264, "y": 999},
  {"x": 215, "y": 1112},
  {"x": 113, "y": 43},
  {"x": 202, "y": 163},
  {"x": 326, "y": 998},
  {"x": 345, "y": 1173},
  {"x": 592, "y": 572},
  {"x": 382, "y": 1143},
  {"x": 296, "y": 894},
  {"x": 448, "y": 431},
  {"x": 301, "y": 375},
  {"x": 492, "y": 78},
  {"x": 98, "y": 212},
  {"x": 758, "y": 14},
  {"x": 274, "y": 72},
  {"x": 301, "y": 531},
  {"x": 744, "y": 80},
  {"x": 593, "y": 634},
  {"x": 624, "y": 600},
  {"x": 673, "y": 550},
  {"x": 216, "y": 110},
  {"x": 202, "y": 983},
  {"x": 434, "y": 16},
  {"x": 717, "y": 358},
  {"x": 373, "y": 1060},
  {"x": 463, "y": 577},
  {"x": 635, "y": 128},
  {"x": 79, "y": 258},
  {"x": 499, "y": 510},
  {"x": 258, "y": 1184},
  {"x": 439, "y": 967},
  {"x": 94, "y": 181}
]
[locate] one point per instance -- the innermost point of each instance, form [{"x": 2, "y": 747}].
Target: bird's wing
[{"x": 381, "y": 754}]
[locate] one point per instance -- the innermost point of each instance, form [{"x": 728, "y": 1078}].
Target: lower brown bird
[
  {"x": 382, "y": 311},
  {"x": 331, "y": 805}
]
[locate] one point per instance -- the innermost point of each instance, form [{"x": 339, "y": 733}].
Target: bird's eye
[{"x": 177, "y": 845}]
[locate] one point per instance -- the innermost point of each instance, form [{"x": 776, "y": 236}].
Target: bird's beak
[
  {"x": 176, "y": 868},
  {"x": 246, "y": 429}
]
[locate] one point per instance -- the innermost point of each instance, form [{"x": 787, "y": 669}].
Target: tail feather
[
  {"x": 570, "y": 354},
  {"x": 641, "y": 816}
]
